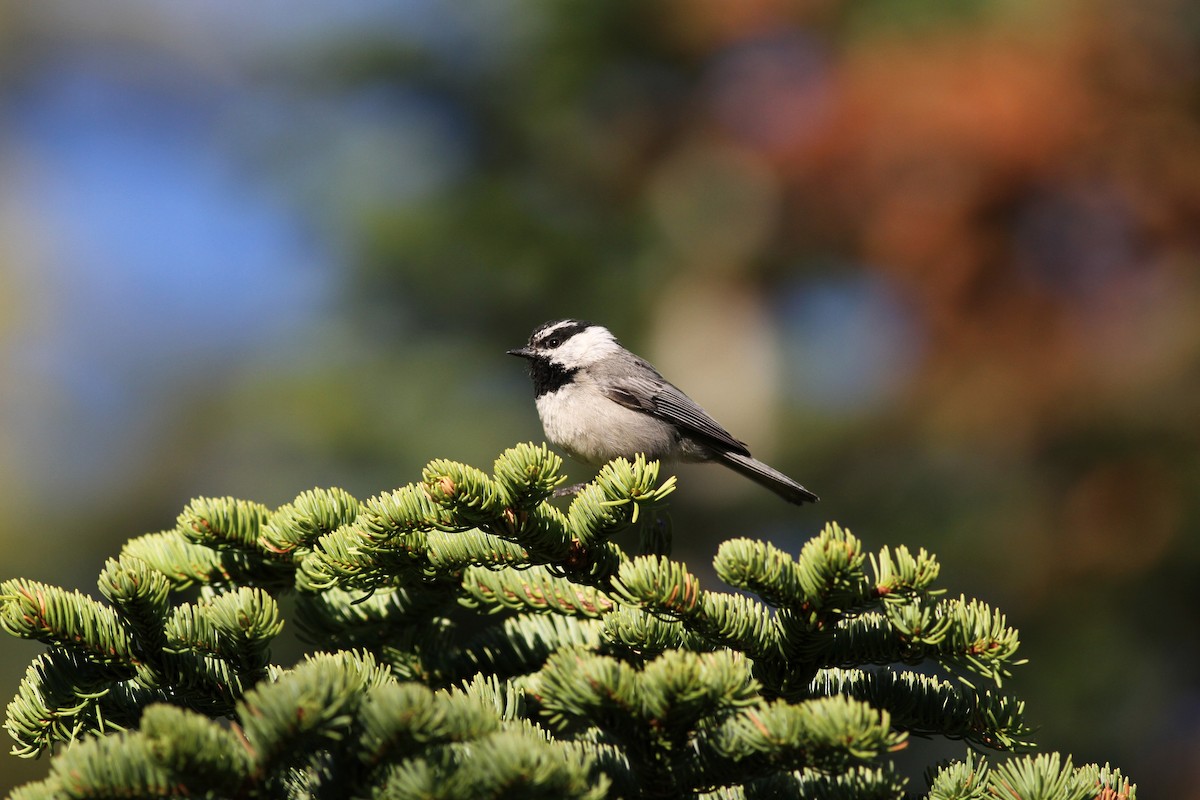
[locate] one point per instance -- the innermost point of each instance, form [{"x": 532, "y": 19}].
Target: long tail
[{"x": 766, "y": 476}]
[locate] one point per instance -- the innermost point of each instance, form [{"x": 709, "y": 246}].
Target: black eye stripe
[{"x": 555, "y": 334}]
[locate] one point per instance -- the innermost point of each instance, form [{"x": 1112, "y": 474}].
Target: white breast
[{"x": 594, "y": 429}]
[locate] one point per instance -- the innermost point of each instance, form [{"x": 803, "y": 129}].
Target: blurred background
[{"x": 938, "y": 261}]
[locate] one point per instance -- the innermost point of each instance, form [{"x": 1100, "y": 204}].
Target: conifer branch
[
  {"x": 298, "y": 525},
  {"x": 927, "y": 706},
  {"x": 64, "y": 695},
  {"x": 70, "y": 620},
  {"x": 179, "y": 561},
  {"x": 533, "y": 589},
  {"x": 482, "y": 641},
  {"x": 520, "y": 646},
  {"x": 1046, "y": 775},
  {"x": 223, "y": 523}
]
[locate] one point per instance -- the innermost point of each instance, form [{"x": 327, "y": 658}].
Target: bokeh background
[{"x": 938, "y": 260}]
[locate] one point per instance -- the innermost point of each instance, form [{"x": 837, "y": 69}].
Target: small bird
[{"x": 598, "y": 401}]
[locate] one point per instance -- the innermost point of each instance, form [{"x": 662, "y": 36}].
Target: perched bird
[{"x": 598, "y": 401}]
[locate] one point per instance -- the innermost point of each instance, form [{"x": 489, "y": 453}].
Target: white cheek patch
[{"x": 586, "y": 347}]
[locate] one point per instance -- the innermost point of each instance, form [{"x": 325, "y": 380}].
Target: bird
[{"x": 598, "y": 401}]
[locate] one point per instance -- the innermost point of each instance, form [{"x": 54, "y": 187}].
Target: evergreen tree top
[{"x": 474, "y": 639}]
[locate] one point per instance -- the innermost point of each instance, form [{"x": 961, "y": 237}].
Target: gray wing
[{"x": 652, "y": 394}]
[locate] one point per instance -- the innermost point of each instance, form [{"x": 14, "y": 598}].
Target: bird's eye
[{"x": 553, "y": 341}]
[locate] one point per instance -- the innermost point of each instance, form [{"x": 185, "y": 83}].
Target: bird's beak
[{"x": 521, "y": 352}]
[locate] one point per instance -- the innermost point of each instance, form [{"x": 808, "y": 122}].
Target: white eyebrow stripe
[{"x": 562, "y": 323}]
